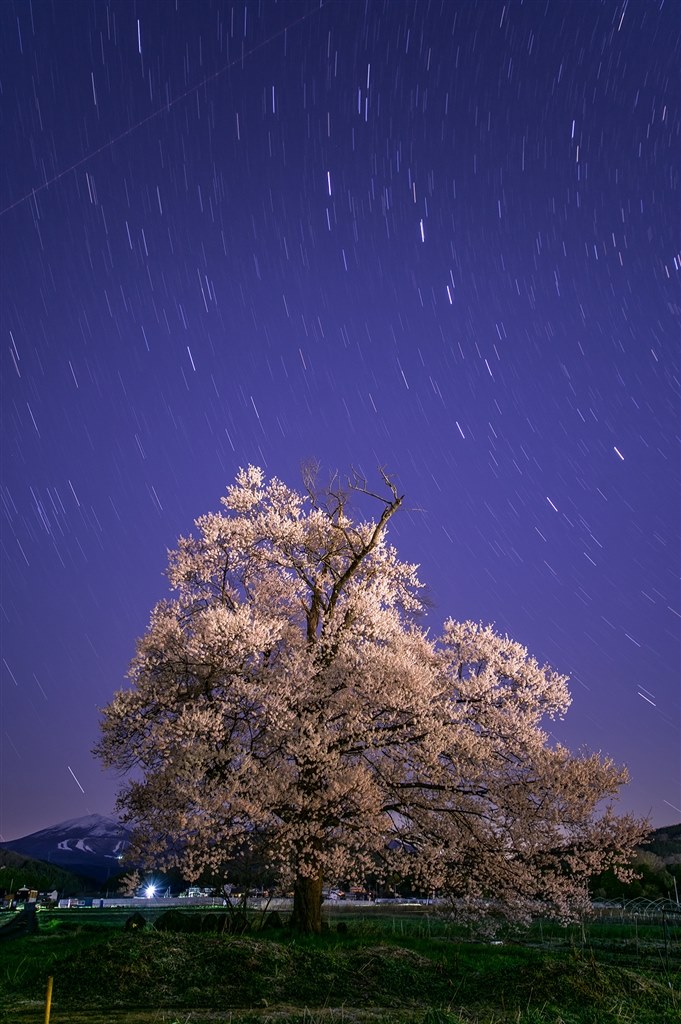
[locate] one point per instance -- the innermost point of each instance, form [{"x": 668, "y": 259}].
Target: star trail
[{"x": 438, "y": 238}]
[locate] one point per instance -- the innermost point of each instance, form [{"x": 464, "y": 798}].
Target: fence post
[
  {"x": 48, "y": 1000},
  {"x": 666, "y": 936}
]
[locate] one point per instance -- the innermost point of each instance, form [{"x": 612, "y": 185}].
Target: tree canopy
[{"x": 289, "y": 696}]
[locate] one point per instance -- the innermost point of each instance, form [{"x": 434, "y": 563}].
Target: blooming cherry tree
[{"x": 288, "y": 696}]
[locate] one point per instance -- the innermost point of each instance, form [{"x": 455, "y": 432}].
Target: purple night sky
[{"x": 442, "y": 238}]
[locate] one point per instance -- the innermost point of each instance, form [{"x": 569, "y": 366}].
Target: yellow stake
[{"x": 48, "y": 999}]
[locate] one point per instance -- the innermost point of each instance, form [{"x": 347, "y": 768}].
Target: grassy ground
[{"x": 397, "y": 969}]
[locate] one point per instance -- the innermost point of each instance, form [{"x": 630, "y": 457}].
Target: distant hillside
[
  {"x": 665, "y": 843},
  {"x": 17, "y": 871},
  {"x": 657, "y": 864},
  {"x": 91, "y": 847}
]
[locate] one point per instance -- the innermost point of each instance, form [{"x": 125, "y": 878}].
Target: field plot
[{"x": 395, "y": 965}]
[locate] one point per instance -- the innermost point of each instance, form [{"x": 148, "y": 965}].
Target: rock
[
  {"x": 135, "y": 923},
  {"x": 171, "y": 921},
  {"x": 238, "y": 924}
]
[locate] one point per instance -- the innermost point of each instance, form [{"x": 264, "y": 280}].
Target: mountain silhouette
[{"x": 92, "y": 846}]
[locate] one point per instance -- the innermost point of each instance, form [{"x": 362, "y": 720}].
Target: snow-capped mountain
[{"x": 91, "y": 846}]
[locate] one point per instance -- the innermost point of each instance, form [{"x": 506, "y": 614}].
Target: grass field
[{"x": 398, "y": 967}]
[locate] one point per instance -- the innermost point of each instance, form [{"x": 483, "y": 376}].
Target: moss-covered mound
[{"x": 194, "y": 972}]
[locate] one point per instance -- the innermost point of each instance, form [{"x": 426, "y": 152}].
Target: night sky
[{"x": 440, "y": 238}]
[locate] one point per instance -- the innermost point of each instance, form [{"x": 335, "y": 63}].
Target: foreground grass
[{"x": 372, "y": 973}]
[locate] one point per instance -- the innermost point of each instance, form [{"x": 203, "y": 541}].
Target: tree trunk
[{"x": 307, "y": 904}]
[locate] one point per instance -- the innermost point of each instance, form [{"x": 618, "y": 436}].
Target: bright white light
[{"x": 150, "y": 891}]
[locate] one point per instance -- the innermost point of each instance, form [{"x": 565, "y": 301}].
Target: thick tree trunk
[{"x": 307, "y": 904}]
